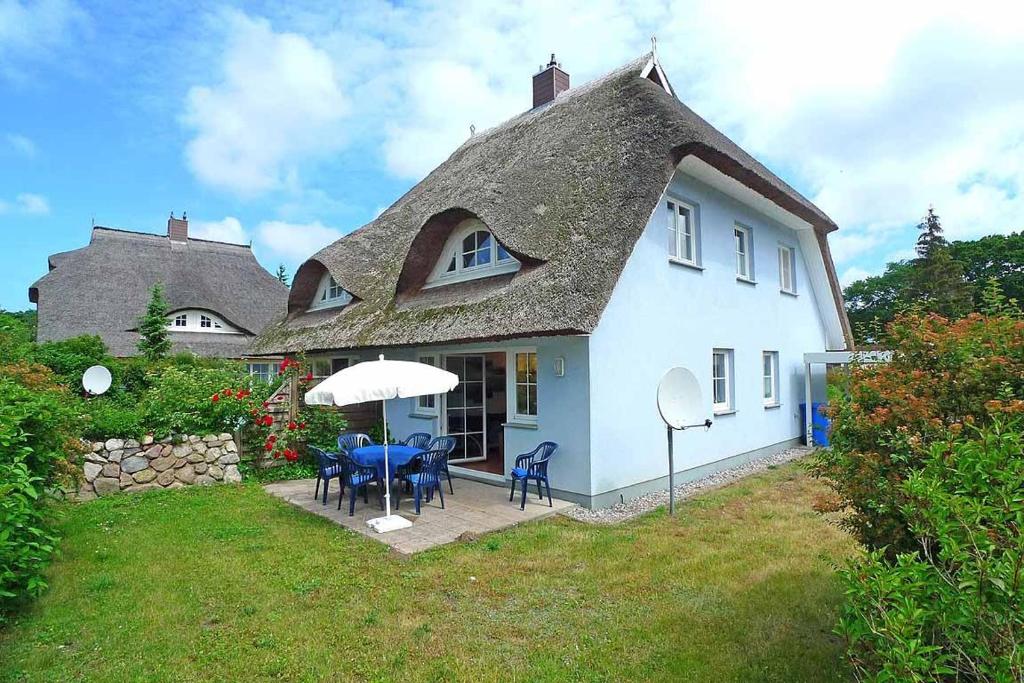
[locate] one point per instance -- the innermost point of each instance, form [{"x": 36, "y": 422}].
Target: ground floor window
[
  {"x": 261, "y": 371},
  {"x": 427, "y": 404},
  {"x": 721, "y": 380},
  {"x": 526, "y": 385},
  {"x": 770, "y": 378}
]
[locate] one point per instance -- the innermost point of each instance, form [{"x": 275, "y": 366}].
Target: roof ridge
[{"x": 125, "y": 231}]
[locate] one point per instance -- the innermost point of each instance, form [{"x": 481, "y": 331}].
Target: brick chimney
[
  {"x": 177, "y": 228},
  {"x": 549, "y": 82}
]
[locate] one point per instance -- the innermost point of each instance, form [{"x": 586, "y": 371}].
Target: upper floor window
[
  {"x": 744, "y": 257},
  {"x": 682, "y": 232},
  {"x": 787, "y": 270},
  {"x": 199, "y": 321},
  {"x": 330, "y": 294},
  {"x": 471, "y": 252}
]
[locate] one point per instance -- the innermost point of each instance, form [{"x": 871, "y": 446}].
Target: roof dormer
[
  {"x": 471, "y": 252},
  {"x": 329, "y": 294}
]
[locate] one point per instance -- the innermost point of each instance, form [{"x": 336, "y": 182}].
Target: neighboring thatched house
[
  {"x": 560, "y": 263},
  {"x": 218, "y": 294}
]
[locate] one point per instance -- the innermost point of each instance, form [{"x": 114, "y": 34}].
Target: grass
[{"x": 227, "y": 583}]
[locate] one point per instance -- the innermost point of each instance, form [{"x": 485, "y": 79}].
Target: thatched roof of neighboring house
[
  {"x": 567, "y": 188},
  {"x": 103, "y": 289}
]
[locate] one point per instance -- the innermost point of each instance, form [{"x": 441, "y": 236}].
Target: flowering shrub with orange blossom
[{"x": 943, "y": 376}]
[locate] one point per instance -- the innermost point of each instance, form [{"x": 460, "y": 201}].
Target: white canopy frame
[{"x": 832, "y": 358}]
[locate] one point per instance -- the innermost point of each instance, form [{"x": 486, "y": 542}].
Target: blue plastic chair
[
  {"x": 327, "y": 467},
  {"x": 533, "y": 466},
  {"x": 351, "y": 440},
  {"x": 427, "y": 479},
  {"x": 446, "y": 444},
  {"x": 356, "y": 477},
  {"x": 417, "y": 440}
]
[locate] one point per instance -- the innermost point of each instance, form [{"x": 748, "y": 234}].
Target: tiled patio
[{"x": 475, "y": 507}]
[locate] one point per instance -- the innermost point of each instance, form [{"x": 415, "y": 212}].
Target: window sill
[
  {"x": 423, "y": 416},
  {"x": 745, "y": 280},
  {"x": 724, "y": 411},
  {"x": 686, "y": 264},
  {"x": 772, "y": 406},
  {"x": 520, "y": 425},
  {"x": 788, "y": 293}
]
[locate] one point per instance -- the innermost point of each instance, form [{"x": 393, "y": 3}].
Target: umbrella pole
[{"x": 387, "y": 469}]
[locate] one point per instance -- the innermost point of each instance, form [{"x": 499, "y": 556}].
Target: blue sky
[{"x": 290, "y": 126}]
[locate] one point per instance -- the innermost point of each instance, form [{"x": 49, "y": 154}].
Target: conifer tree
[
  {"x": 938, "y": 284},
  {"x": 282, "y": 275},
  {"x": 154, "y": 340}
]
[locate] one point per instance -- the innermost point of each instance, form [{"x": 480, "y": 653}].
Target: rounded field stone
[
  {"x": 92, "y": 470},
  {"x": 215, "y": 472},
  {"x": 179, "y": 463},
  {"x": 186, "y": 475},
  {"x": 131, "y": 443},
  {"x": 133, "y": 464},
  {"x": 97, "y": 447},
  {"x": 105, "y": 486},
  {"x": 96, "y": 457},
  {"x": 115, "y": 456},
  {"x": 204, "y": 480},
  {"x": 230, "y": 447},
  {"x": 147, "y": 439},
  {"x": 114, "y": 444},
  {"x": 111, "y": 470},
  {"x": 195, "y": 457},
  {"x": 232, "y": 475},
  {"x": 144, "y": 476},
  {"x": 225, "y": 437},
  {"x": 165, "y": 478},
  {"x": 162, "y": 463},
  {"x": 153, "y": 452},
  {"x": 228, "y": 459},
  {"x": 181, "y": 451},
  {"x": 125, "y": 480},
  {"x": 209, "y": 438},
  {"x": 200, "y": 467}
]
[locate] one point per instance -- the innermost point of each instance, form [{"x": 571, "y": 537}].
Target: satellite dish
[
  {"x": 96, "y": 380},
  {"x": 679, "y": 399}
]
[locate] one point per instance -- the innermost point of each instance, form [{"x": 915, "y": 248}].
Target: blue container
[{"x": 820, "y": 424}]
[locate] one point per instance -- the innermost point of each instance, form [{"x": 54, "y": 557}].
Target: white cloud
[
  {"x": 22, "y": 145},
  {"x": 853, "y": 273},
  {"x": 27, "y": 204},
  {"x": 228, "y": 229},
  {"x": 278, "y": 103},
  {"x": 35, "y": 31},
  {"x": 295, "y": 242}
]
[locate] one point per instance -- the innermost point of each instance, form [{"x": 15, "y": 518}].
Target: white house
[{"x": 560, "y": 263}]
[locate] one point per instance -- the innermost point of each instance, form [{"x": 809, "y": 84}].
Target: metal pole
[
  {"x": 387, "y": 470},
  {"x": 671, "y": 476}
]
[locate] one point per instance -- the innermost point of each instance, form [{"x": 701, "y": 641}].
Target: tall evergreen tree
[
  {"x": 938, "y": 284},
  {"x": 282, "y": 275},
  {"x": 154, "y": 341}
]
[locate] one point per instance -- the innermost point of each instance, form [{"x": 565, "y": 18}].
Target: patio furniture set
[{"x": 419, "y": 463}]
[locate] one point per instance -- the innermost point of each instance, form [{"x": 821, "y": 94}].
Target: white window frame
[
  {"x": 198, "y": 320},
  {"x": 746, "y": 257},
  {"x": 512, "y": 377},
  {"x": 267, "y": 376},
  {"x": 427, "y": 404},
  {"x": 453, "y": 250},
  {"x": 676, "y": 237},
  {"x": 770, "y": 379},
  {"x": 728, "y": 404},
  {"x": 787, "y": 260},
  {"x": 330, "y": 294},
  {"x": 329, "y": 360}
]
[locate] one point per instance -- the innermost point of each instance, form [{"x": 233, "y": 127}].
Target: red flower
[
  {"x": 272, "y": 438},
  {"x": 291, "y": 455},
  {"x": 292, "y": 426},
  {"x": 268, "y": 446},
  {"x": 215, "y": 398},
  {"x": 225, "y": 392},
  {"x": 266, "y": 404},
  {"x": 268, "y": 420},
  {"x": 302, "y": 425},
  {"x": 309, "y": 376}
]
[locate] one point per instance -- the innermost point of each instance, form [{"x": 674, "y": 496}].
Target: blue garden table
[{"x": 373, "y": 456}]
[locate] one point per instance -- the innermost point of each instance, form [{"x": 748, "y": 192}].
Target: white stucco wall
[
  {"x": 562, "y": 406},
  {"x": 663, "y": 314}
]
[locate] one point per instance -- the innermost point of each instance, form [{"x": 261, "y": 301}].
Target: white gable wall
[{"x": 663, "y": 314}]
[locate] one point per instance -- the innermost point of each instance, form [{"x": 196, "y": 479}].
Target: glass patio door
[{"x": 464, "y": 408}]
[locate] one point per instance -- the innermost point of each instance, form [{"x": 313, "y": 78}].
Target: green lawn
[{"x": 227, "y": 583}]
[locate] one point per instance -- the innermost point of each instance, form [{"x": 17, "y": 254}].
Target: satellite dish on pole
[
  {"x": 96, "y": 380},
  {"x": 681, "y": 407}
]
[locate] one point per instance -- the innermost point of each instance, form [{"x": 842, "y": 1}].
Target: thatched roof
[
  {"x": 103, "y": 289},
  {"x": 567, "y": 188}
]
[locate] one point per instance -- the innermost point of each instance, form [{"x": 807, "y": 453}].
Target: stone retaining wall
[{"x": 128, "y": 465}]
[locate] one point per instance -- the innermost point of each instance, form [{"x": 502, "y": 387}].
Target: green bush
[
  {"x": 181, "y": 401},
  {"x": 323, "y": 425},
  {"x": 955, "y": 610},
  {"x": 108, "y": 418},
  {"x": 886, "y": 416},
  {"x": 38, "y": 448},
  {"x": 26, "y": 540},
  {"x": 70, "y": 358}
]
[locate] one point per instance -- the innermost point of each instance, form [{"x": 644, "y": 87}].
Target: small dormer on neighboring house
[{"x": 219, "y": 296}]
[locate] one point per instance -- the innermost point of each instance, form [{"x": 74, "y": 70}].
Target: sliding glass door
[{"x": 464, "y": 408}]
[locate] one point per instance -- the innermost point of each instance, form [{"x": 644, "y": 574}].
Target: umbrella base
[{"x": 383, "y": 525}]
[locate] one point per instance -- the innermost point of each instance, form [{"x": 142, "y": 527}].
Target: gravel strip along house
[{"x": 560, "y": 263}]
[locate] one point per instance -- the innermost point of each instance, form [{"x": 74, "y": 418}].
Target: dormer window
[
  {"x": 330, "y": 294},
  {"x": 199, "y": 321},
  {"x": 471, "y": 252}
]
